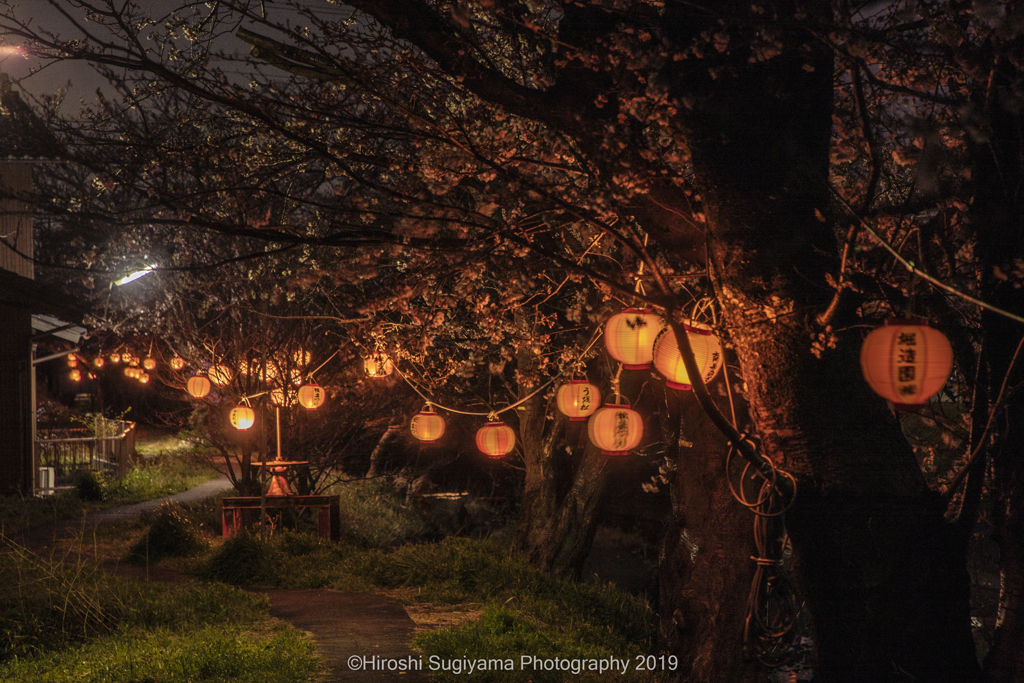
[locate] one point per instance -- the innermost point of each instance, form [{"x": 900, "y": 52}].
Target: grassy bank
[{"x": 68, "y": 621}]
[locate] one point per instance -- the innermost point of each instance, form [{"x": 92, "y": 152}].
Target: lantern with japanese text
[
  {"x": 495, "y": 439},
  {"x": 242, "y": 417},
  {"x": 707, "y": 351},
  {"x": 629, "y": 337},
  {"x": 906, "y": 362},
  {"x": 578, "y": 399},
  {"x": 312, "y": 396},
  {"x": 427, "y": 426},
  {"x": 378, "y": 366},
  {"x": 198, "y": 386},
  {"x": 615, "y": 429},
  {"x": 220, "y": 375}
]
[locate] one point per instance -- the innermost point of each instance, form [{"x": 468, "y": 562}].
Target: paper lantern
[
  {"x": 615, "y": 429},
  {"x": 629, "y": 337},
  {"x": 707, "y": 351},
  {"x": 149, "y": 364},
  {"x": 220, "y": 375},
  {"x": 72, "y": 361},
  {"x": 428, "y": 426},
  {"x": 131, "y": 372},
  {"x": 144, "y": 378},
  {"x": 115, "y": 358},
  {"x": 242, "y": 417},
  {"x": 98, "y": 361},
  {"x": 378, "y": 366},
  {"x": 906, "y": 362},
  {"x": 129, "y": 358},
  {"x": 578, "y": 399},
  {"x": 312, "y": 396},
  {"x": 177, "y": 363},
  {"x": 75, "y": 375},
  {"x": 496, "y": 439},
  {"x": 198, "y": 386}
]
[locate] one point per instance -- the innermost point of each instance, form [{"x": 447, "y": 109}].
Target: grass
[
  {"x": 493, "y": 602},
  {"x": 69, "y": 621},
  {"x": 153, "y": 478}
]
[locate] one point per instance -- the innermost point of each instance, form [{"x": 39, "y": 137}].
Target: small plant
[
  {"x": 244, "y": 558},
  {"x": 172, "y": 534},
  {"x": 90, "y": 486}
]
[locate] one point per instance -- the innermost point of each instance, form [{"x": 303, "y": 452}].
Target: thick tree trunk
[
  {"x": 887, "y": 589},
  {"x": 558, "y": 516},
  {"x": 705, "y": 568}
]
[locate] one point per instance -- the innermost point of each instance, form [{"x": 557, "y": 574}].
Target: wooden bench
[{"x": 236, "y": 511}]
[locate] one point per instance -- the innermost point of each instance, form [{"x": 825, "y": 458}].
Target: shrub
[
  {"x": 172, "y": 534},
  {"x": 90, "y": 486},
  {"x": 242, "y": 559}
]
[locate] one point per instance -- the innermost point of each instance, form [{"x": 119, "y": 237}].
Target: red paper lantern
[
  {"x": 378, "y": 366},
  {"x": 906, "y": 362},
  {"x": 312, "y": 396},
  {"x": 495, "y": 439},
  {"x": 242, "y": 417},
  {"x": 427, "y": 426},
  {"x": 578, "y": 399},
  {"x": 198, "y": 386},
  {"x": 707, "y": 351},
  {"x": 629, "y": 337},
  {"x": 615, "y": 429}
]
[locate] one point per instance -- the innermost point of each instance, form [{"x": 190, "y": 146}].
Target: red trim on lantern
[
  {"x": 698, "y": 330},
  {"x": 615, "y": 452},
  {"x": 679, "y": 385}
]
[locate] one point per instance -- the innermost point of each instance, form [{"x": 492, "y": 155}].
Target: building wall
[
  {"x": 16, "y": 221},
  {"x": 15, "y": 415}
]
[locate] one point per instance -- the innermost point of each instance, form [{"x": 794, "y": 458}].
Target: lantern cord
[
  {"x": 495, "y": 413},
  {"x": 909, "y": 265},
  {"x": 319, "y": 367}
]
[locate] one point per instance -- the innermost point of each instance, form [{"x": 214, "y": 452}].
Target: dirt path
[{"x": 360, "y": 637}]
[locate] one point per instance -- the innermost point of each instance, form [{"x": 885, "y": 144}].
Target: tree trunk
[
  {"x": 887, "y": 588},
  {"x": 705, "y": 568},
  {"x": 561, "y": 491}
]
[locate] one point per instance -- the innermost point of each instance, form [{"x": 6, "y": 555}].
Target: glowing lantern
[
  {"x": 615, "y": 429},
  {"x": 242, "y": 417},
  {"x": 906, "y": 362},
  {"x": 578, "y": 398},
  {"x": 75, "y": 375},
  {"x": 128, "y": 358},
  {"x": 98, "y": 361},
  {"x": 378, "y": 366},
  {"x": 311, "y": 396},
  {"x": 115, "y": 358},
  {"x": 72, "y": 361},
  {"x": 177, "y": 363},
  {"x": 198, "y": 386},
  {"x": 629, "y": 337},
  {"x": 144, "y": 378},
  {"x": 130, "y": 372},
  {"x": 496, "y": 439},
  {"x": 149, "y": 364},
  {"x": 428, "y": 426},
  {"x": 707, "y": 351},
  {"x": 220, "y": 375}
]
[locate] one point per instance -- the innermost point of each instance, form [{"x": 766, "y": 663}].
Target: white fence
[{"x": 61, "y": 453}]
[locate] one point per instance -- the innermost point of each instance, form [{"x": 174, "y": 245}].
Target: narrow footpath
[{"x": 354, "y": 633}]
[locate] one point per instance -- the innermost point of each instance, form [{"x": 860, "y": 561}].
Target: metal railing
[{"x": 108, "y": 447}]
